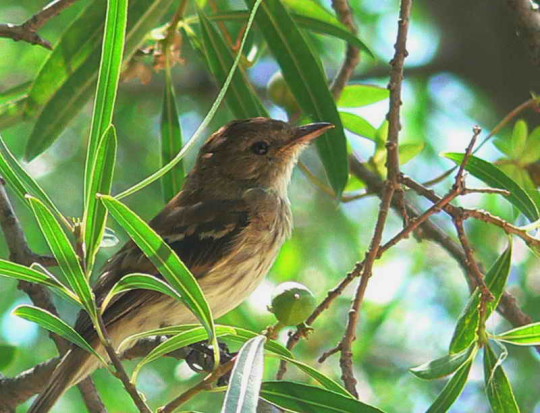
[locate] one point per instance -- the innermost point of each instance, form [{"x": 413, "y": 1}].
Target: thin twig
[
  {"x": 203, "y": 385},
  {"x": 119, "y": 367},
  {"x": 27, "y": 32}
]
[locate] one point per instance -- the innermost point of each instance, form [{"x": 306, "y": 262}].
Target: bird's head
[{"x": 257, "y": 151}]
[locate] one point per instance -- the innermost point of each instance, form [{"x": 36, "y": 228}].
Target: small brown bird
[{"x": 227, "y": 225}]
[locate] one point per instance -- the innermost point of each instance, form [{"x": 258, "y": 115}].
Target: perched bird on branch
[{"x": 227, "y": 225}]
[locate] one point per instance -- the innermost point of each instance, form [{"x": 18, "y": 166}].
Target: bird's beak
[{"x": 306, "y": 133}]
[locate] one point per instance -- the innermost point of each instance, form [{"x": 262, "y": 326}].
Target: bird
[{"x": 227, "y": 225}]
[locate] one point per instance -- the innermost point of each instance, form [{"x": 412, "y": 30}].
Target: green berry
[
  {"x": 292, "y": 303},
  {"x": 280, "y": 94}
]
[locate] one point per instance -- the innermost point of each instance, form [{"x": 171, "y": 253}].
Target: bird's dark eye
[{"x": 260, "y": 148}]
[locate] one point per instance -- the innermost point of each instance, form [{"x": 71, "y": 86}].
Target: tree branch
[{"x": 27, "y": 32}]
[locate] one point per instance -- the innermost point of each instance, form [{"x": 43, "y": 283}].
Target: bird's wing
[{"x": 201, "y": 234}]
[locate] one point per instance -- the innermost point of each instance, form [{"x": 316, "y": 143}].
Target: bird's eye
[{"x": 260, "y": 148}]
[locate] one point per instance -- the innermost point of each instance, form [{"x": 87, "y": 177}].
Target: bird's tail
[{"x": 74, "y": 366}]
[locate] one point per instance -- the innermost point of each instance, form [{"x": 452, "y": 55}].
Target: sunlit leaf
[
  {"x": 452, "y": 390},
  {"x": 302, "y": 72},
  {"x": 530, "y": 151},
  {"x": 443, "y": 366},
  {"x": 64, "y": 253},
  {"x": 183, "y": 339},
  {"x": 52, "y": 323},
  {"x": 354, "y": 96},
  {"x": 301, "y": 397},
  {"x": 498, "y": 388},
  {"x": 527, "y": 335},
  {"x": 243, "y": 391},
  {"x": 20, "y": 181},
  {"x": 496, "y": 178},
  {"x": 74, "y": 67},
  {"x": 100, "y": 182},
  {"x": 409, "y": 151},
  {"x": 358, "y": 125},
  {"x": 467, "y": 325},
  {"x": 139, "y": 281},
  {"x": 171, "y": 141}
]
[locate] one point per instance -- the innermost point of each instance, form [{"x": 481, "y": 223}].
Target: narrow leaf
[
  {"x": 498, "y": 388},
  {"x": 443, "y": 366},
  {"x": 303, "y": 73},
  {"x": 165, "y": 260},
  {"x": 21, "y": 182},
  {"x": 180, "y": 340},
  {"x": 528, "y": 335},
  {"x": 171, "y": 141},
  {"x": 315, "y": 24},
  {"x": 241, "y": 98},
  {"x": 68, "y": 77},
  {"x": 100, "y": 182},
  {"x": 108, "y": 76},
  {"x": 139, "y": 281},
  {"x": 64, "y": 253},
  {"x": 452, "y": 390},
  {"x": 496, "y": 277},
  {"x": 52, "y": 323},
  {"x": 494, "y": 177},
  {"x": 324, "y": 380},
  {"x": 243, "y": 392},
  {"x": 305, "y": 398}
]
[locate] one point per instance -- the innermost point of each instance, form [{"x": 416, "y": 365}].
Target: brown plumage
[{"x": 227, "y": 225}]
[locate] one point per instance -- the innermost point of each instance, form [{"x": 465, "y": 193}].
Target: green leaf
[
  {"x": 315, "y": 24},
  {"x": 21, "y": 182},
  {"x": 358, "y": 125},
  {"x": 530, "y": 152},
  {"x": 242, "y": 335},
  {"x": 67, "y": 78},
  {"x": 498, "y": 388},
  {"x": 443, "y": 366},
  {"x": 305, "y": 398},
  {"x": 496, "y": 178},
  {"x": 452, "y": 390},
  {"x": 409, "y": 151},
  {"x": 7, "y": 355},
  {"x": 107, "y": 85},
  {"x": 100, "y": 182},
  {"x": 52, "y": 323},
  {"x": 241, "y": 98},
  {"x": 206, "y": 121},
  {"x": 243, "y": 392},
  {"x": 14, "y": 94},
  {"x": 519, "y": 137},
  {"x": 303, "y": 73},
  {"x": 467, "y": 325},
  {"x": 527, "y": 335},
  {"x": 183, "y": 339},
  {"x": 140, "y": 281},
  {"x": 171, "y": 141},
  {"x": 165, "y": 260},
  {"x": 324, "y": 380},
  {"x": 64, "y": 253},
  {"x": 354, "y": 96}
]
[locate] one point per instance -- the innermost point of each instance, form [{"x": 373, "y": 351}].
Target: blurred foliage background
[{"x": 466, "y": 66}]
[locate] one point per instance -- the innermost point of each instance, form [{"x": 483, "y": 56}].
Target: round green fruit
[
  {"x": 292, "y": 303},
  {"x": 280, "y": 94}
]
